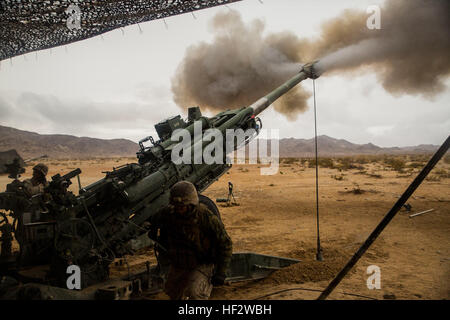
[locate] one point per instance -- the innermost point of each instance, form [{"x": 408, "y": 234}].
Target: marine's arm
[
  {"x": 158, "y": 222},
  {"x": 224, "y": 248}
]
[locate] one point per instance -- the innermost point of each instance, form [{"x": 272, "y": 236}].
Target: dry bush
[
  {"x": 441, "y": 173},
  {"x": 397, "y": 163},
  {"x": 326, "y": 163},
  {"x": 338, "y": 177},
  {"x": 420, "y": 158},
  {"x": 415, "y": 165},
  {"x": 364, "y": 159},
  {"x": 407, "y": 175},
  {"x": 346, "y": 163},
  {"x": 356, "y": 189},
  {"x": 375, "y": 158},
  {"x": 311, "y": 163},
  {"x": 323, "y": 163},
  {"x": 374, "y": 175},
  {"x": 447, "y": 159},
  {"x": 288, "y": 160}
]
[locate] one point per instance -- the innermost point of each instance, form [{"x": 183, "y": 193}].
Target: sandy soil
[{"x": 276, "y": 216}]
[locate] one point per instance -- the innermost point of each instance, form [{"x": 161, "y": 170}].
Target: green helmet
[
  {"x": 42, "y": 168},
  {"x": 183, "y": 192}
]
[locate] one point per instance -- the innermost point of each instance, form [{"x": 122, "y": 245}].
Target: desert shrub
[
  {"x": 441, "y": 173},
  {"x": 326, "y": 163},
  {"x": 337, "y": 177},
  {"x": 289, "y": 160},
  {"x": 447, "y": 159},
  {"x": 357, "y": 190},
  {"x": 374, "y": 175},
  {"x": 407, "y": 175},
  {"x": 346, "y": 163},
  {"x": 433, "y": 178},
  {"x": 415, "y": 165},
  {"x": 420, "y": 158},
  {"x": 323, "y": 163},
  {"x": 398, "y": 164},
  {"x": 362, "y": 159}
]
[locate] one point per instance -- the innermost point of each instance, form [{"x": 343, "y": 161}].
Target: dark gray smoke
[{"x": 409, "y": 54}]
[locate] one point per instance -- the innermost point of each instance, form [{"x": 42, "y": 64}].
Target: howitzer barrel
[{"x": 307, "y": 71}]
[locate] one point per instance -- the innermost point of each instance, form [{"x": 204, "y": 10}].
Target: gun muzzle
[
  {"x": 307, "y": 71},
  {"x": 310, "y": 71}
]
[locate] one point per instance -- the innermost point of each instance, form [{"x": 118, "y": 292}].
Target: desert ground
[{"x": 276, "y": 215}]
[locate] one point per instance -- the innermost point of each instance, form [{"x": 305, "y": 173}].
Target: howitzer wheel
[
  {"x": 75, "y": 237},
  {"x": 210, "y": 205}
]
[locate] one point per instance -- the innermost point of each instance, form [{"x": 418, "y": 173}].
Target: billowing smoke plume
[
  {"x": 239, "y": 67},
  {"x": 410, "y": 55}
]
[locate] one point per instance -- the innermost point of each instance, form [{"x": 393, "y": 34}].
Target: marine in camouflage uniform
[
  {"x": 36, "y": 185},
  {"x": 38, "y": 182},
  {"x": 196, "y": 244}
]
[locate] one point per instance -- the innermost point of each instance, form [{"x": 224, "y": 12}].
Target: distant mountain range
[
  {"x": 328, "y": 146},
  {"x": 30, "y": 145}
]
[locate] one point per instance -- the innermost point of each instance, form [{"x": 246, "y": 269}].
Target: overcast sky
[{"x": 119, "y": 86}]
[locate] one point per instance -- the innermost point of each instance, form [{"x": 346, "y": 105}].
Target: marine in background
[
  {"x": 195, "y": 242},
  {"x": 38, "y": 182}
]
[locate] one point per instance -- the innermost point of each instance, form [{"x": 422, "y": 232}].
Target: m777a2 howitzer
[{"x": 110, "y": 218}]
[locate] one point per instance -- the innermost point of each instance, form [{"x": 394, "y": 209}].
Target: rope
[{"x": 319, "y": 249}]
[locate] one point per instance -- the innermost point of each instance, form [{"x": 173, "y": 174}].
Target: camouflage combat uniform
[
  {"x": 6, "y": 240},
  {"x": 198, "y": 249},
  {"x": 36, "y": 185}
]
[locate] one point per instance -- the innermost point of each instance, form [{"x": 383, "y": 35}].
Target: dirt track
[{"x": 276, "y": 216}]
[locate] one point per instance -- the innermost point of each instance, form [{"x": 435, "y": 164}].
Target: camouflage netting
[
  {"x": 7, "y": 157},
  {"x": 30, "y": 25}
]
